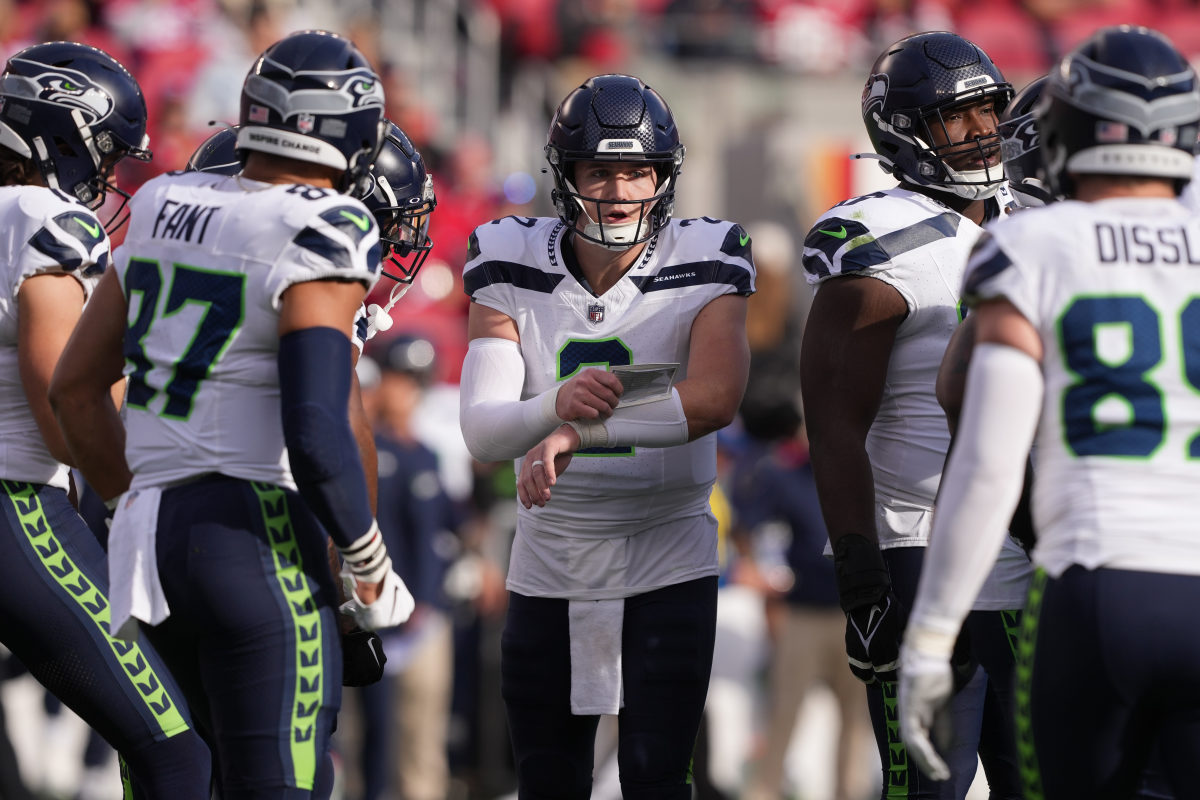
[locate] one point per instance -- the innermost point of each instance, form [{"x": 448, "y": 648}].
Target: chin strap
[{"x": 380, "y": 317}]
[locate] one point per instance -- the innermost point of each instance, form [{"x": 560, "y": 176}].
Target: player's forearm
[
  {"x": 95, "y": 437},
  {"x": 496, "y": 424},
  {"x": 845, "y": 487}
]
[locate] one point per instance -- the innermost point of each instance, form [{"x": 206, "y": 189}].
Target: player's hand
[
  {"x": 543, "y": 464},
  {"x": 874, "y": 617},
  {"x": 926, "y": 684},
  {"x": 873, "y": 639},
  {"x": 362, "y": 658},
  {"x": 391, "y": 603},
  {"x": 592, "y": 394}
]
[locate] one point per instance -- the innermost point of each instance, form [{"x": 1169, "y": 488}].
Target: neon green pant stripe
[
  {"x": 59, "y": 565},
  {"x": 1031, "y": 774},
  {"x": 897, "y": 766},
  {"x": 306, "y": 623},
  {"x": 1012, "y": 629}
]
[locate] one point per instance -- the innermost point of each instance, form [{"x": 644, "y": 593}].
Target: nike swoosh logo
[
  {"x": 875, "y": 610},
  {"x": 363, "y": 222},
  {"x": 94, "y": 230},
  {"x": 743, "y": 238},
  {"x": 840, "y": 233}
]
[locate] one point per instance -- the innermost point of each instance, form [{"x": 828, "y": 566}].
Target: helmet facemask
[{"x": 404, "y": 232}]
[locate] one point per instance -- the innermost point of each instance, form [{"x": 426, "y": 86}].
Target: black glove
[
  {"x": 874, "y": 617},
  {"x": 362, "y": 658}
]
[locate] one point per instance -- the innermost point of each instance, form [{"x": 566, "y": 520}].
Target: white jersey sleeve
[
  {"x": 45, "y": 232},
  {"x": 203, "y": 268},
  {"x": 1111, "y": 287}
]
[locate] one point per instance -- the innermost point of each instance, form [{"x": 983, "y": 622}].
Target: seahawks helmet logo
[
  {"x": 874, "y": 94},
  {"x": 72, "y": 88}
]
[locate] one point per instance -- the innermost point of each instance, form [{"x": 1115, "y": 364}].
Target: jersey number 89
[{"x": 1105, "y": 380}]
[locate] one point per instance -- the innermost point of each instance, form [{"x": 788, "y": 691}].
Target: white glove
[
  {"x": 393, "y": 606},
  {"x": 926, "y": 683}
]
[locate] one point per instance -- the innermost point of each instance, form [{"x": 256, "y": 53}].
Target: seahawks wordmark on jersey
[
  {"x": 521, "y": 268},
  {"x": 918, "y": 246},
  {"x": 46, "y": 232},
  {"x": 203, "y": 267},
  {"x": 1113, "y": 288}
]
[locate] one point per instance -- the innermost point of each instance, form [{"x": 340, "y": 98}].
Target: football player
[
  {"x": 234, "y": 297},
  {"x": 68, "y": 113},
  {"x": 612, "y": 576},
  {"x": 887, "y": 268},
  {"x": 1085, "y": 316}
]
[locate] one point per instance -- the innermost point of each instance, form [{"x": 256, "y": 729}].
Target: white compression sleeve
[
  {"x": 660, "y": 423},
  {"x": 496, "y": 423},
  {"x": 980, "y": 485}
]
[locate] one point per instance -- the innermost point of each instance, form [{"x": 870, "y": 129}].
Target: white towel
[
  {"x": 595, "y": 629},
  {"x": 135, "y": 592}
]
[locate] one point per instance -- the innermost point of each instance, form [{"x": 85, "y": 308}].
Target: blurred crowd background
[{"x": 766, "y": 95}]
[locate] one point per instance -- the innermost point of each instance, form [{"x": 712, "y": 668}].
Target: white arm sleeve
[
  {"x": 660, "y": 423},
  {"x": 496, "y": 423},
  {"x": 980, "y": 487}
]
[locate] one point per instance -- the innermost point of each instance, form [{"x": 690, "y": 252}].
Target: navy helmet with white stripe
[
  {"x": 74, "y": 111},
  {"x": 912, "y": 84},
  {"x": 312, "y": 96},
  {"x": 615, "y": 118},
  {"x": 1125, "y": 102},
  {"x": 402, "y": 199}
]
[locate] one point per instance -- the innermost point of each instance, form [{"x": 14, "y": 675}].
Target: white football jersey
[
  {"x": 920, "y": 247},
  {"x": 44, "y": 232},
  {"x": 1113, "y": 288},
  {"x": 203, "y": 267},
  {"x": 519, "y": 266}
]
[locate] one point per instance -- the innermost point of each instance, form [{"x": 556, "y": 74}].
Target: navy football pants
[
  {"x": 1110, "y": 665},
  {"x": 252, "y": 633},
  {"x": 982, "y": 712},
  {"x": 666, "y": 658},
  {"x": 54, "y": 617}
]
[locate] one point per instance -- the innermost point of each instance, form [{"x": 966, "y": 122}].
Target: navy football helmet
[
  {"x": 614, "y": 118},
  {"x": 312, "y": 96},
  {"x": 912, "y": 84},
  {"x": 217, "y": 154},
  {"x": 402, "y": 199},
  {"x": 1125, "y": 102},
  {"x": 1019, "y": 141},
  {"x": 74, "y": 111}
]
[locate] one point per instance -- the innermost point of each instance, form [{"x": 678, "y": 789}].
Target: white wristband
[
  {"x": 367, "y": 557},
  {"x": 660, "y": 423}
]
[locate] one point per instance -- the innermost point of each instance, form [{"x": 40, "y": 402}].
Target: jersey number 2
[
  {"x": 579, "y": 353},
  {"x": 221, "y": 293}
]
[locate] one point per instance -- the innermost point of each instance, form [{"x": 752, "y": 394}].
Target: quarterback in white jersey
[
  {"x": 887, "y": 268},
  {"x": 1085, "y": 316},
  {"x": 612, "y": 576}
]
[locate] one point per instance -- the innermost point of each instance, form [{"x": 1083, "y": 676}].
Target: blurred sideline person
[
  {"x": 887, "y": 267},
  {"x": 235, "y": 296},
  {"x": 1083, "y": 348},
  {"x": 772, "y": 483},
  {"x": 407, "y": 713},
  {"x": 68, "y": 113},
  {"x": 613, "y": 571}
]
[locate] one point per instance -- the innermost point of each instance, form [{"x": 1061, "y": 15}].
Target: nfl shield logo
[
  {"x": 595, "y": 313},
  {"x": 305, "y": 122}
]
